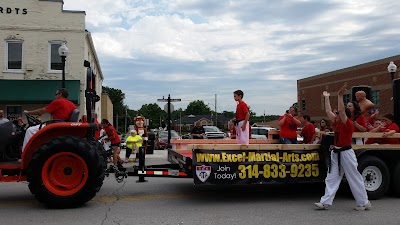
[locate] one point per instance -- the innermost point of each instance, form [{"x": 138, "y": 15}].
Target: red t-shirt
[
  {"x": 360, "y": 120},
  {"x": 307, "y": 132},
  {"x": 110, "y": 131},
  {"x": 241, "y": 110},
  {"x": 343, "y": 133},
  {"x": 392, "y": 126},
  {"x": 289, "y": 128},
  {"x": 60, "y": 108}
]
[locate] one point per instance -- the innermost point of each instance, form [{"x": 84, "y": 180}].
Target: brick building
[{"x": 373, "y": 74}]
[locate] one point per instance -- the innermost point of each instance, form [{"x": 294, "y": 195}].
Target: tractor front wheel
[{"x": 65, "y": 172}]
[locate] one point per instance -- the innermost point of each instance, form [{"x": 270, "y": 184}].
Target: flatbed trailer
[{"x": 263, "y": 162}]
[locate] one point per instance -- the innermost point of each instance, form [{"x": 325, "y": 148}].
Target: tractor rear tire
[{"x": 65, "y": 172}]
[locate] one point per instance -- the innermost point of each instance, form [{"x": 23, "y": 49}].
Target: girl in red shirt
[
  {"x": 114, "y": 139},
  {"x": 343, "y": 158},
  {"x": 359, "y": 122},
  {"x": 289, "y": 123}
]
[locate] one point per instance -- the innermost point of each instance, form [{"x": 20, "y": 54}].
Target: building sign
[
  {"x": 14, "y": 112},
  {"x": 8, "y": 10},
  {"x": 257, "y": 166}
]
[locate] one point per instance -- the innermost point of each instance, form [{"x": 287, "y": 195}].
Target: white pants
[
  {"x": 242, "y": 137},
  {"x": 348, "y": 166},
  {"x": 358, "y": 141},
  {"x": 29, "y": 133}
]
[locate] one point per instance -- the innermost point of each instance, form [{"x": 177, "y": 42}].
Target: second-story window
[
  {"x": 375, "y": 98},
  {"x": 55, "y": 63},
  {"x": 13, "y": 55}
]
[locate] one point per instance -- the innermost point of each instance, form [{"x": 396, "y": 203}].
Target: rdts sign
[{"x": 8, "y": 10}]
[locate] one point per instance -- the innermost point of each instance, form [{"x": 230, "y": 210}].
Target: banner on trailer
[{"x": 257, "y": 166}]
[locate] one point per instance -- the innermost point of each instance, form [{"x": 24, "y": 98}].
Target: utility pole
[
  {"x": 264, "y": 116},
  {"x": 180, "y": 122},
  {"x": 116, "y": 123},
  {"x": 168, "y": 109},
  {"x": 126, "y": 118},
  {"x": 216, "y": 114}
]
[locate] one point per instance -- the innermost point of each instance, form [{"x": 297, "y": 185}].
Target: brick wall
[{"x": 372, "y": 74}]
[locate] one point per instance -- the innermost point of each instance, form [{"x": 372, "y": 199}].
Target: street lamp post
[
  {"x": 63, "y": 52},
  {"x": 392, "y": 69}
]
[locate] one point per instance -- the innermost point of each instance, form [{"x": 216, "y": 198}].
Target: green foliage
[
  {"x": 154, "y": 113},
  {"x": 229, "y": 114},
  {"x": 197, "y": 107},
  {"x": 119, "y": 109}
]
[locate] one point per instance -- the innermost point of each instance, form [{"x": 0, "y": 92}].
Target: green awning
[{"x": 36, "y": 91}]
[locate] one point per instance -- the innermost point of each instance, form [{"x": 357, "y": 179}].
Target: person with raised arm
[{"x": 343, "y": 158}]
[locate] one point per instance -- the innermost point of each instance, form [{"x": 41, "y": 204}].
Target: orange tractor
[{"x": 63, "y": 163}]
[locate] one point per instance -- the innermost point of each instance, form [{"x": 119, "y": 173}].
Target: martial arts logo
[{"x": 203, "y": 172}]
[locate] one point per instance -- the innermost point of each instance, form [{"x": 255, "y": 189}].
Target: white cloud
[{"x": 215, "y": 47}]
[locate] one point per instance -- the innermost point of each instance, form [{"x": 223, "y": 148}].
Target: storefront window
[{"x": 14, "y": 112}]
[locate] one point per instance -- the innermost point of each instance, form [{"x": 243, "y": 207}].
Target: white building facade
[{"x": 31, "y": 31}]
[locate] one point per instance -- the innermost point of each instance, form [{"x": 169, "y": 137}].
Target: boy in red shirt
[
  {"x": 242, "y": 119},
  {"x": 308, "y": 130},
  {"x": 387, "y": 127},
  {"x": 343, "y": 158}
]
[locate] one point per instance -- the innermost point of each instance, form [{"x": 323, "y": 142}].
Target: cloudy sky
[{"x": 196, "y": 49}]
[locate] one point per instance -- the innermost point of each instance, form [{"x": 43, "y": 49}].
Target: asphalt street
[{"x": 176, "y": 201}]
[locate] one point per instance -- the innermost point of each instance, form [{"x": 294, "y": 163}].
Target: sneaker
[
  {"x": 368, "y": 206},
  {"x": 126, "y": 160},
  {"x": 136, "y": 160},
  {"x": 321, "y": 206}
]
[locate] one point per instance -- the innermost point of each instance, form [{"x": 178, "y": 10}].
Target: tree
[
  {"x": 198, "y": 107},
  {"x": 229, "y": 114},
  {"x": 119, "y": 109},
  {"x": 154, "y": 113}
]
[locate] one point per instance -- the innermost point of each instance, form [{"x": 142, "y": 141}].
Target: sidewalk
[{"x": 158, "y": 157}]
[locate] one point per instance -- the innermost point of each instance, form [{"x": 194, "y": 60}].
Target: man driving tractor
[{"x": 60, "y": 108}]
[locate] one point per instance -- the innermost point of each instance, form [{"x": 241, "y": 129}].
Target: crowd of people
[{"x": 364, "y": 117}]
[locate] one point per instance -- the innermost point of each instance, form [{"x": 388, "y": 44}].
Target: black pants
[{"x": 128, "y": 153}]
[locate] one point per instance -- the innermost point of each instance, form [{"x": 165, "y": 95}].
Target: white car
[
  {"x": 212, "y": 132},
  {"x": 260, "y": 132}
]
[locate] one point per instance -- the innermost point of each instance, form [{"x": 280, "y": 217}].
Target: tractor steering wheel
[{"x": 32, "y": 121}]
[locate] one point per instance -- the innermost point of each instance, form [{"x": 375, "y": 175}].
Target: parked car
[
  {"x": 260, "y": 132},
  {"x": 186, "y": 136},
  {"x": 212, "y": 132},
  {"x": 162, "y": 138}
]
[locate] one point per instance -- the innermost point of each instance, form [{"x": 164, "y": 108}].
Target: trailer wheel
[
  {"x": 396, "y": 182},
  {"x": 376, "y": 176},
  {"x": 65, "y": 172}
]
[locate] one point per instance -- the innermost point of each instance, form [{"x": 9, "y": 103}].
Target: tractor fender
[{"x": 51, "y": 131}]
